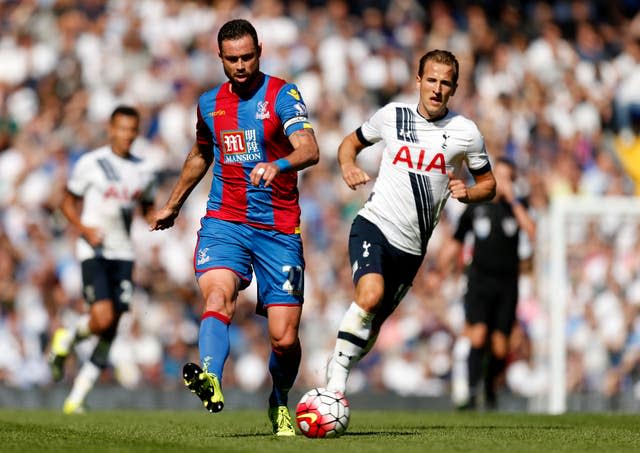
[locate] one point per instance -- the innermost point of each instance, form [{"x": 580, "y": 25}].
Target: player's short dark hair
[
  {"x": 236, "y": 29},
  {"x": 125, "y": 110},
  {"x": 443, "y": 57}
]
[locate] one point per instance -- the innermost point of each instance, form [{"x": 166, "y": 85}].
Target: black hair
[
  {"x": 125, "y": 110},
  {"x": 236, "y": 29},
  {"x": 440, "y": 56}
]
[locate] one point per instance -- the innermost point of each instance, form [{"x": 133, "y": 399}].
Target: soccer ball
[{"x": 322, "y": 413}]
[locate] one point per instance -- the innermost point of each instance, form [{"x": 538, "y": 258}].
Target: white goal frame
[{"x": 552, "y": 281}]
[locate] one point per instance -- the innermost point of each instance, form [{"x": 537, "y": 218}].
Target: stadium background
[{"x": 553, "y": 85}]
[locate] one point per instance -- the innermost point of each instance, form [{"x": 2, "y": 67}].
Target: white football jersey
[
  {"x": 111, "y": 186},
  {"x": 412, "y": 184}
]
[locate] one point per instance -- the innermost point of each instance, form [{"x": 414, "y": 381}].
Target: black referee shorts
[{"x": 491, "y": 300}]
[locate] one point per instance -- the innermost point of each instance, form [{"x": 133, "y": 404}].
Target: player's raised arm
[
  {"x": 195, "y": 166},
  {"x": 347, "y": 153}
]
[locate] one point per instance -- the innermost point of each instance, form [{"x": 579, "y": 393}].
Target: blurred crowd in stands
[{"x": 554, "y": 85}]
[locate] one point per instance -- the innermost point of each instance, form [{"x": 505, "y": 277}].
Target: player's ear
[{"x": 259, "y": 50}]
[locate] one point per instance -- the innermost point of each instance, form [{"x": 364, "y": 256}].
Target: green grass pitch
[{"x": 369, "y": 431}]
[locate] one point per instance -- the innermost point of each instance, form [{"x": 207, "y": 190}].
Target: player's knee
[
  {"x": 102, "y": 325},
  {"x": 368, "y": 298},
  {"x": 499, "y": 353},
  {"x": 102, "y": 322},
  {"x": 478, "y": 335},
  {"x": 499, "y": 346},
  {"x": 370, "y": 292},
  {"x": 284, "y": 343},
  {"x": 286, "y": 339},
  {"x": 216, "y": 300}
]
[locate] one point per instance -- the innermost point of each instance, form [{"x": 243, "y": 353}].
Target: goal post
[{"x": 553, "y": 277}]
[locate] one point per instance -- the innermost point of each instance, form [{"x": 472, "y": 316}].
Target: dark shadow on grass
[
  {"x": 347, "y": 434},
  {"x": 378, "y": 433},
  {"x": 415, "y": 431},
  {"x": 240, "y": 435},
  {"x": 418, "y": 430},
  {"x": 519, "y": 427}
]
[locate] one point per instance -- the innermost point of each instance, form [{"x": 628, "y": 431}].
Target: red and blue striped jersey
[{"x": 243, "y": 131}]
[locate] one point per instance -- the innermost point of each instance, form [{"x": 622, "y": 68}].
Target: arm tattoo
[{"x": 303, "y": 132}]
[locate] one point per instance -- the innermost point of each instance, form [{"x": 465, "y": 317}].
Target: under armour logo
[
  {"x": 404, "y": 133},
  {"x": 365, "y": 246}
]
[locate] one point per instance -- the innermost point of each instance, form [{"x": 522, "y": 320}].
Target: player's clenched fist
[
  {"x": 457, "y": 187},
  {"x": 163, "y": 219},
  {"x": 354, "y": 176}
]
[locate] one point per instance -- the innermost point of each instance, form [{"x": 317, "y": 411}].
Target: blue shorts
[{"x": 276, "y": 259}]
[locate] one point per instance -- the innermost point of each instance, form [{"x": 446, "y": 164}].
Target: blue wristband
[{"x": 283, "y": 164}]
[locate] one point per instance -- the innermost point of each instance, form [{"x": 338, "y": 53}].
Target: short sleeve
[
  {"x": 203, "y": 133},
  {"x": 80, "y": 178},
  {"x": 476, "y": 155},
  {"x": 371, "y": 130},
  {"x": 292, "y": 110}
]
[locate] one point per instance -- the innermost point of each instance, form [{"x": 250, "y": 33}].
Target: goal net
[{"x": 588, "y": 286}]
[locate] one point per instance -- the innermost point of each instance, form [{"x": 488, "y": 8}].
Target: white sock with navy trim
[{"x": 353, "y": 338}]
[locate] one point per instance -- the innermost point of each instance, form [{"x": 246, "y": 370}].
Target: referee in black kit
[{"x": 492, "y": 287}]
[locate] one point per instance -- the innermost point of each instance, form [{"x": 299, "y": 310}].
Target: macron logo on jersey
[
  {"x": 437, "y": 162},
  {"x": 240, "y": 146}
]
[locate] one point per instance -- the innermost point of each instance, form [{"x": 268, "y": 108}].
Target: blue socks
[
  {"x": 213, "y": 341},
  {"x": 284, "y": 369}
]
